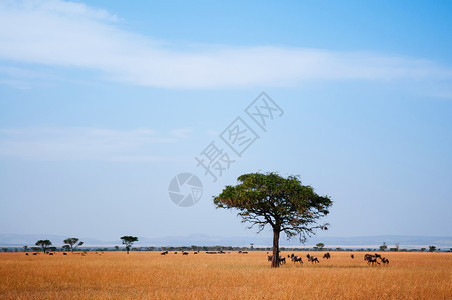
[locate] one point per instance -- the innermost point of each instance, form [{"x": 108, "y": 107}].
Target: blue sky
[{"x": 102, "y": 103}]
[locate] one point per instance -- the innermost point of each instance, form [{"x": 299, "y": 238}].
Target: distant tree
[
  {"x": 283, "y": 203},
  {"x": 423, "y": 249},
  {"x": 431, "y": 248},
  {"x": 72, "y": 243},
  {"x": 397, "y": 246},
  {"x": 44, "y": 244},
  {"x": 320, "y": 246},
  {"x": 116, "y": 248},
  {"x": 251, "y": 246},
  {"x": 25, "y": 248},
  {"x": 66, "y": 248},
  {"x": 128, "y": 241},
  {"x": 5, "y": 249},
  {"x": 383, "y": 247}
]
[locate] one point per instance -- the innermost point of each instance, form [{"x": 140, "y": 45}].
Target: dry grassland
[{"x": 149, "y": 275}]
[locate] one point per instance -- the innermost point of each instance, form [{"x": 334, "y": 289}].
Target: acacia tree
[
  {"x": 128, "y": 241},
  {"x": 44, "y": 244},
  {"x": 283, "y": 203},
  {"x": 72, "y": 243}
]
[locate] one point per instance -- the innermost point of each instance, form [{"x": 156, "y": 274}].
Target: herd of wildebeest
[{"x": 369, "y": 258}]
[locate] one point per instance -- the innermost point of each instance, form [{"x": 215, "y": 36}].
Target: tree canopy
[
  {"x": 72, "y": 243},
  {"x": 44, "y": 244},
  {"x": 283, "y": 203},
  {"x": 128, "y": 241}
]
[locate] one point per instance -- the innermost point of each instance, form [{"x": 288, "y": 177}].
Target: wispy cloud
[
  {"x": 67, "y": 34},
  {"x": 81, "y": 143}
]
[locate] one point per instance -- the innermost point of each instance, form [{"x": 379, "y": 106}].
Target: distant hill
[{"x": 19, "y": 240}]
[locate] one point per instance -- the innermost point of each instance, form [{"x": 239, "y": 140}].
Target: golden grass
[{"x": 149, "y": 275}]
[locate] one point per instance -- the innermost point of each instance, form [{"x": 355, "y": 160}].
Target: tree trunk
[{"x": 275, "y": 258}]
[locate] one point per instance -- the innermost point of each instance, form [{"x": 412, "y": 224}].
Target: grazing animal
[
  {"x": 244, "y": 252},
  {"x": 282, "y": 260},
  {"x": 184, "y": 253},
  {"x": 211, "y": 252},
  {"x": 377, "y": 255},
  {"x": 372, "y": 260},
  {"x": 308, "y": 256},
  {"x": 352, "y": 256},
  {"x": 50, "y": 253},
  {"x": 327, "y": 255},
  {"x": 196, "y": 252},
  {"x": 221, "y": 252},
  {"x": 175, "y": 252},
  {"x": 313, "y": 259},
  {"x": 35, "y": 253},
  {"x": 385, "y": 261},
  {"x": 26, "y": 254},
  {"x": 292, "y": 255},
  {"x": 164, "y": 253},
  {"x": 297, "y": 258},
  {"x": 64, "y": 253}
]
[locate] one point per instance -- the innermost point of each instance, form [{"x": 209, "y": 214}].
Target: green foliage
[
  {"x": 128, "y": 240},
  {"x": 72, "y": 243},
  {"x": 44, "y": 244},
  {"x": 283, "y": 203},
  {"x": 431, "y": 248}
]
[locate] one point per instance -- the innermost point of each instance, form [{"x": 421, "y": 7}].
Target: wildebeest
[
  {"x": 175, "y": 252},
  {"x": 313, "y": 259},
  {"x": 244, "y": 252},
  {"x": 196, "y": 252},
  {"x": 184, "y": 253},
  {"x": 164, "y": 253},
  {"x": 297, "y": 258},
  {"x": 211, "y": 252},
  {"x": 50, "y": 253},
  {"x": 282, "y": 259},
  {"x": 26, "y": 254},
  {"x": 327, "y": 255},
  {"x": 371, "y": 259},
  {"x": 385, "y": 260},
  {"x": 64, "y": 253},
  {"x": 35, "y": 253},
  {"x": 352, "y": 256}
]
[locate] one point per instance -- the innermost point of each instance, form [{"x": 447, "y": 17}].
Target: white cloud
[
  {"x": 81, "y": 143},
  {"x": 67, "y": 34}
]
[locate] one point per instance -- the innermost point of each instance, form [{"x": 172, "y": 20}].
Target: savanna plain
[{"x": 150, "y": 275}]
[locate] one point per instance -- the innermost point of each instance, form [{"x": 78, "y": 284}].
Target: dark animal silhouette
[
  {"x": 371, "y": 259},
  {"x": 352, "y": 256},
  {"x": 64, "y": 253},
  {"x": 184, "y": 253},
  {"x": 164, "y": 253},
  {"x": 385, "y": 261},
  {"x": 26, "y": 254},
  {"x": 297, "y": 258},
  {"x": 313, "y": 259},
  {"x": 282, "y": 260},
  {"x": 327, "y": 255}
]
